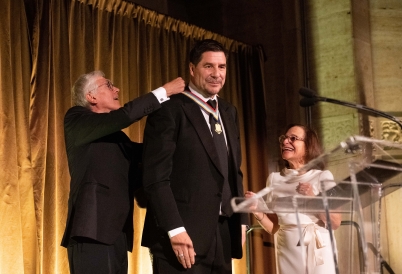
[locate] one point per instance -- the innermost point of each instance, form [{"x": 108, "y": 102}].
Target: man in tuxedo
[
  {"x": 103, "y": 163},
  {"x": 191, "y": 166}
]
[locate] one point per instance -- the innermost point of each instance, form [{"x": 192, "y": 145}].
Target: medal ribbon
[{"x": 203, "y": 104}]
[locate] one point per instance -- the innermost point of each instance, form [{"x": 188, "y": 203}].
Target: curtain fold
[
  {"x": 50, "y": 98},
  {"x": 19, "y": 252},
  {"x": 41, "y": 57}
]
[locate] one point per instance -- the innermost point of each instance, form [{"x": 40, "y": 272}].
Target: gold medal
[{"x": 218, "y": 128}]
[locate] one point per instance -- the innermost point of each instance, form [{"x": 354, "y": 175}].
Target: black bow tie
[{"x": 212, "y": 103}]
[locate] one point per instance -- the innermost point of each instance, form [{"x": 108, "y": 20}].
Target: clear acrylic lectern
[{"x": 365, "y": 171}]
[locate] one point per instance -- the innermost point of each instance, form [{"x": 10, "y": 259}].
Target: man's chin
[{"x": 213, "y": 91}]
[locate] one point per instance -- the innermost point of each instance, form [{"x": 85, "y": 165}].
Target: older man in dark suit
[
  {"x": 101, "y": 159},
  {"x": 191, "y": 164}
]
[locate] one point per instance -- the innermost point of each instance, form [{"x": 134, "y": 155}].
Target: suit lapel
[
  {"x": 231, "y": 138},
  {"x": 194, "y": 115},
  {"x": 228, "y": 123}
]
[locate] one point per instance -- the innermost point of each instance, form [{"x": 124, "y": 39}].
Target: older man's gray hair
[{"x": 83, "y": 85}]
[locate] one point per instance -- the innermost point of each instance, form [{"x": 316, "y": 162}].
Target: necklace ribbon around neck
[{"x": 203, "y": 104}]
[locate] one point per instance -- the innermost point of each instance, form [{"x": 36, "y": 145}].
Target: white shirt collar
[{"x": 200, "y": 95}]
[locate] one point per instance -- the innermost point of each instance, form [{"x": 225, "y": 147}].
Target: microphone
[
  {"x": 307, "y": 102},
  {"x": 311, "y": 98},
  {"x": 306, "y": 92}
]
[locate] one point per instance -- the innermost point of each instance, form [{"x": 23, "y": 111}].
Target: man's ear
[
  {"x": 191, "y": 66},
  {"x": 91, "y": 98}
]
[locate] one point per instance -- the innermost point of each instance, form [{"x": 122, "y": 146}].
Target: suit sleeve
[
  {"x": 83, "y": 126},
  {"x": 159, "y": 147}
]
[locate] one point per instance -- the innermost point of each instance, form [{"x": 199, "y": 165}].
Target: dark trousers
[
  {"x": 217, "y": 261},
  {"x": 88, "y": 256}
]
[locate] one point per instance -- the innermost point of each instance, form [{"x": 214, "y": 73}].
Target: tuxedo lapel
[
  {"x": 194, "y": 115},
  {"x": 228, "y": 123},
  {"x": 232, "y": 136}
]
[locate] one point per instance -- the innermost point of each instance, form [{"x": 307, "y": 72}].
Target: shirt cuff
[
  {"x": 160, "y": 94},
  {"x": 176, "y": 231}
]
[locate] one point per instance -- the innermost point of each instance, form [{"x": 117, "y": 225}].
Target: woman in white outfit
[{"x": 299, "y": 145}]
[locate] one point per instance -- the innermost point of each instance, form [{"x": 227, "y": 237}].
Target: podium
[{"x": 365, "y": 173}]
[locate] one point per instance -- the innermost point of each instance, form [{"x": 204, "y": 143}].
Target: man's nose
[{"x": 215, "y": 72}]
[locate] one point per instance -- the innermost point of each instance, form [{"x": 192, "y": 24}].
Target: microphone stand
[{"x": 312, "y": 99}]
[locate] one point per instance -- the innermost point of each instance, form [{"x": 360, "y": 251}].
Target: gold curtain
[
  {"x": 19, "y": 251},
  {"x": 46, "y": 45}
]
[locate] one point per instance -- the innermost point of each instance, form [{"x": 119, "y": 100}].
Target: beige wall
[
  {"x": 332, "y": 68},
  {"x": 386, "y": 37}
]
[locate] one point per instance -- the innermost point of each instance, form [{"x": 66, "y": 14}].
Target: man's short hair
[
  {"x": 82, "y": 86},
  {"x": 203, "y": 46}
]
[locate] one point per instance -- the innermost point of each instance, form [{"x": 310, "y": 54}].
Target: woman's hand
[
  {"x": 253, "y": 206},
  {"x": 336, "y": 218},
  {"x": 269, "y": 222},
  {"x": 305, "y": 189},
  {"x": 258, "y": 215},
  {"x": 249, "y": 194}
]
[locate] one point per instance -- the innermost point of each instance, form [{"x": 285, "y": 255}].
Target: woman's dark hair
[
  {"x": 204, "y": 46},
  {"x": 312, "y": 144}
]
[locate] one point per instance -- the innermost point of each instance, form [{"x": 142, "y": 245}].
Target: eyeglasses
[
  {"x": 292, "y": 138},
  {"x": 108, "y": 83}
]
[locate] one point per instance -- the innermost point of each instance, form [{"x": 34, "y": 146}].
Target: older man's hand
[{"x": 175, "y": 86}]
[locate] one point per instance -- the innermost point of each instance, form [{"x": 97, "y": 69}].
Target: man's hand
[
  {"x": 183, "y": 248},
  {"x": 174, "y": 87}
]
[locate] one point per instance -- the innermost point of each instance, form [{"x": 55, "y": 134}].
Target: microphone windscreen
[
  {"x": 307, "y": 102},
  {"x": 306, "y": 92}
]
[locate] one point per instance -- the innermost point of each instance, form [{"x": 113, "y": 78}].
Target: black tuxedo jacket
[
  {"x": 182, "y": 176},
  {"x": 103, "y": 165}
]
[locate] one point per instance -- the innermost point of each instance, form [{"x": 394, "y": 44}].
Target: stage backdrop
[{"x": 45, "y": 46}]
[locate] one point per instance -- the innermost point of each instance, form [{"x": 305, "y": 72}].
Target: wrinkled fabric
[{"x": 317, "y": 257}]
